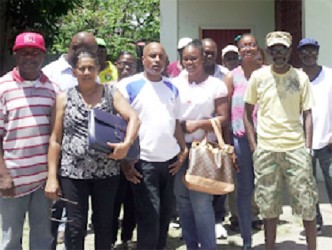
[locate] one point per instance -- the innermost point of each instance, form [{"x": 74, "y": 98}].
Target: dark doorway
[
  {"x": 222, "y": 37},
  {"x": 288, "y": 17}
]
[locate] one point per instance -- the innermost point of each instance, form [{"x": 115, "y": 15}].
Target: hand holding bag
[
  {"x": 107, "y": 127},
  {"x": 210, "y": 165}
]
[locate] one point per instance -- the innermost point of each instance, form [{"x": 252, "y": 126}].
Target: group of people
[{"x": 45, "y": 154}]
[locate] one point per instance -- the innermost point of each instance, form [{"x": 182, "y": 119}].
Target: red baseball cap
[{"x": 29, "y": 40}]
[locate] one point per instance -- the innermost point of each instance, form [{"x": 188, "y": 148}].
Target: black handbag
[{"x": 106, "y": 127}]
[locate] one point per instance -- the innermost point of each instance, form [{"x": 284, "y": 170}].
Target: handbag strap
[{"x": 218, "y": 131}]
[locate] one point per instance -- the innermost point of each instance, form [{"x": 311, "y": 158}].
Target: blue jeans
[
  {"x": 324, "y": 157},
  {"x": 245, "y": 187},
  {"x": 12, "y": 213},
  {"x": 196, "y": 214},
  {"x": 153, "y": 203}
]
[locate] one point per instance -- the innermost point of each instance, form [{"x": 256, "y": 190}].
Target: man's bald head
[
  {"x": 210, "y": 51},
  {"x": 154, "y": 61},
  {"x": 153, "y": 45},
  {"x": 82, "y": 40}
]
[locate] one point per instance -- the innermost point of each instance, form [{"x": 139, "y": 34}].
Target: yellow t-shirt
[
  {"x": 281, "y": 99},
  {"x": 108, "y": 74}
]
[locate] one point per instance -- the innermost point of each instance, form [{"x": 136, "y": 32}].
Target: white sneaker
[{"x": 221, "y": 232}]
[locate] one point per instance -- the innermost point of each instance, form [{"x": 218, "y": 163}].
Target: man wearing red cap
[{"x": 27, "y": 98}]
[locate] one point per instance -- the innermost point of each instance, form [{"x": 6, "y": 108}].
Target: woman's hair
[
  {"x": 85, "y": 54},
  {"x": 196, "y": 43},
  {"x": 245, "y": 35}
]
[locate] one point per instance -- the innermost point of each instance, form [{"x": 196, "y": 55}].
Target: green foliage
[
  {"x": 37, "y": 15},
  {"x": 120, "y": 22}
]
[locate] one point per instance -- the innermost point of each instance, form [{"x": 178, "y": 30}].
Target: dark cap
[{"x": 308, "y": 42}]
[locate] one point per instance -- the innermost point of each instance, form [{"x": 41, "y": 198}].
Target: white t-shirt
[
  {"x": 322, "y": 110},
  {"x": 156, "y": 104},
  {"x": 219, "y": 72},
  {"x": 197, "y": 101}
]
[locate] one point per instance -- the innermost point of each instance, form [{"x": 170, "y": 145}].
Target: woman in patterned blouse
[{"x": 84, "y": 172}]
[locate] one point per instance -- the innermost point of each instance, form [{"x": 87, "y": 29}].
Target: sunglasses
[
  {"x": 309, "y": 52},
  {"x": 275, "y": 51}
]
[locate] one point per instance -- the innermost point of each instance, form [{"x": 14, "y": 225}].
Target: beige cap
[
  {"x": 229, "y": 48},
  {"x": 279, "y": 37},
  {"x": 183, "y": 42}
]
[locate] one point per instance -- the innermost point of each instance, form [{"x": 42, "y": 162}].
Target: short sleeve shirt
[
  {"x": 156, "y": 104},
  {"x": 281, "y": 98},
  {"x": 197, "y": 101}
]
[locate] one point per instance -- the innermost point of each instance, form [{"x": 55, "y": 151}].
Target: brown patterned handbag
[{"x": 210, "y": 165}]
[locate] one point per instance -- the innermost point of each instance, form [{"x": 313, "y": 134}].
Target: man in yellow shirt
[
  {"x": 282, "y": 153},
  {"x": 108, "y": 71}
]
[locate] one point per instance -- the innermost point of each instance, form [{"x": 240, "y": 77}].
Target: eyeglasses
[
  {"x": 309, "y": 52},
  {"x": 65, "y": 220},
  {"x": 248, "y": 46},
  {"x": 282, "y": 51}
]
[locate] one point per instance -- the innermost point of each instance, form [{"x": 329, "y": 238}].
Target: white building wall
[
  {"x": 317, "y": 20},
  {"x": 257, "y": 15},
  {"x": 169, "y": 27}
]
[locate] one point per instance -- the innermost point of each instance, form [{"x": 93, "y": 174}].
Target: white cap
[
  {"x": 229, "y": 48},
  {"x": 184, "y": 42}
]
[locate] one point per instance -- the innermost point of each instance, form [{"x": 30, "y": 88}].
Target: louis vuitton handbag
[{"x": 210, "y": 165}]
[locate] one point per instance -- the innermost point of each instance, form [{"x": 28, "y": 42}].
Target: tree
[
  {"x": 120, "y": 22},
  {"x": 29, "y": 15}
]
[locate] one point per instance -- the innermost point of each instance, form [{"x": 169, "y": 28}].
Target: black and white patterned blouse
[{"x": 77, "y": 160}]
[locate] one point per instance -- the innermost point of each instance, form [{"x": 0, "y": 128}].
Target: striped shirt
[{"x": 25, "y": 127}]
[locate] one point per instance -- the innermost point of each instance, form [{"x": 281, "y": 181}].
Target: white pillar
[{"x": 169, "y": 27}]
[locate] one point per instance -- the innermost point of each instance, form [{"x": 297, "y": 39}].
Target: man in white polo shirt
[{"x": 162, "y": 144}]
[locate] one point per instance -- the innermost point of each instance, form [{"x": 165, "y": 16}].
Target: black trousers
[
  {"x": 125, "y": 197},
  {"x": 102, "y": 192}
]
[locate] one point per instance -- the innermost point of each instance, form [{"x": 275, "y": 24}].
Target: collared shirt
[
  {"x": 25, "y": 127},
  {"x": 220, "y": 71},
  {"x": 110, "y": 73},
  {"x": 61, "y": 72}
]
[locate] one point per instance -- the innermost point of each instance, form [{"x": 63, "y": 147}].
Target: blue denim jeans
[
  {"x": 196, "y": 214},
  {"x": 153, "y": 203},
  {"x": 245, "y": 187},
  {"x": 12, "y": 216},
  {"x": 324, "y": 157}
]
